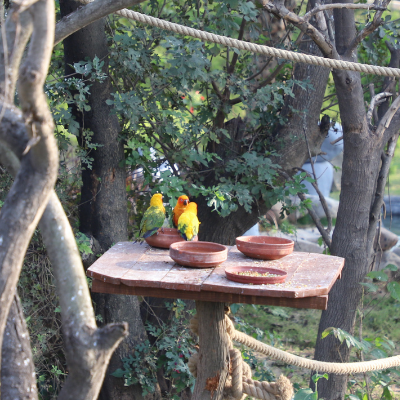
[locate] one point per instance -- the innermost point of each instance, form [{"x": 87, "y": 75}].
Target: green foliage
[
  {"x": 83, "y": 243},
  {"x": 41, "y": 308},
  {"x": 167, "y": 102},
  {"x": 172, "y": 347}
]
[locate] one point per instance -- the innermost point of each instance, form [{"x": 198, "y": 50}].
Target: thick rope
[
  {"x": 239, "y": 383},
  {"x": 287, "y": 358},
  {"x": 256, "y": 48}
]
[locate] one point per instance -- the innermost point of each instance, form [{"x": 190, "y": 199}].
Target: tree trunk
[
  {"x": 213, "y": 365},
  {"x": 103, "y": 209},
  {"x": 352, "y": 238}
]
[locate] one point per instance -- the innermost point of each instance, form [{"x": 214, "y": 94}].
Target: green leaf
[
  {"x": 119, "y": 373},
  {"x": 378, "y": 275},
  {"x": 317, "y": 377},
  {"x": 352, "y": 397},
  {"x": 303, "y": 394},
  {"x": 370, "y": 286},
  {"x": 326, "y": 332},
  {"x": 394, "y": 290},
  {"x": 391, "y": 267}
]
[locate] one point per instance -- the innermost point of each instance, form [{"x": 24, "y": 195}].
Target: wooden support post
[{"x": 213, "y": 366}]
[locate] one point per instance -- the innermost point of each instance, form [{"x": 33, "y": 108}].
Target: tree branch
[
  {"x": 87, "y": 14},
  {"x": 29, "y": 194},
  {"x": 88, "y": 349},
  {"x": 380, "y": 188},
  {"x": 374, "y": 101},
  {"x": 368, "y": 29},
  {"x": 235, "y": 57},
  {"x": 320, "y": 40},
  {"x": 385, "y": 121},
  {"x": 323, "y": 7}
]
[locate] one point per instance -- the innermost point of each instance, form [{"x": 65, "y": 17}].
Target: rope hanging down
[{"x": 256, "y": 48}]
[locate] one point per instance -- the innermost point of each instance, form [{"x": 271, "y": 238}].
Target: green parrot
[{"x": 153, "y": 218}]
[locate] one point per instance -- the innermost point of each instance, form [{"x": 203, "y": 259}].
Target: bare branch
[
  {"x": 337, "y": 140},
  {"x": 380, "y": 187},
  {"x": 312, "y": 213},
  {"x": 87, "y": 14},
  {"x": 31, "y": 189},
  {"x": 385, "y": 121},
  {"x": 323, "y": 7},
  {"x": 368, "y": 29},
  {"x": 321, "y": 41},
  {"x": 374, "y": 101},
  {"x": 14, "y": 37}
]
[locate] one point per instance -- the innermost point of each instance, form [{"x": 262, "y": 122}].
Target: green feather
[{"x": 152, "y": 221}]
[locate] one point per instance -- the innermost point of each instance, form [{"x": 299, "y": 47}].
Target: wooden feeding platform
[{"x": 139, "y": 269}]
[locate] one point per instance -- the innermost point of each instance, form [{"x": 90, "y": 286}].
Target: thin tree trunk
[{"x": 103, "y": 210}]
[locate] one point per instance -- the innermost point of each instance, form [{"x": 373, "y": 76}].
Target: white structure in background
[
  {"x": 324, "y": 174},
  {"x": 322, "y": 163}
]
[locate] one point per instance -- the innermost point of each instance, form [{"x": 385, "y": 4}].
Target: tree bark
[
  {"x": 103, "y": 210},
  {"x": 213, "y": 365},
  {"x": 351, "y": 238},
  {"x": 18, "y": 376}
]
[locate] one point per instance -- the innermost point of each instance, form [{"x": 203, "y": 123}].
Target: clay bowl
[
  {"x": 264, "y": 247},
  {"x": 198, "y": 254},
  {"x": 166, "y": 238},
  {"x": 231, "y": 274}
]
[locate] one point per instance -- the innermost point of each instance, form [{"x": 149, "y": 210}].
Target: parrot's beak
[{"x": 185, "y": 202}]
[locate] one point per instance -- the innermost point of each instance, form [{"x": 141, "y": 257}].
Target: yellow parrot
[
  {"x": 153, "y": 218},
  {"x": 188, "y": 223}
]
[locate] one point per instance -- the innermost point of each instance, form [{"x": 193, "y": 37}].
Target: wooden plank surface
[
  {"x": 309, "y": 274},
  {"x": 316, "y": 302},
  {"x": 115, "y": 262},
  {"x": 141, "y": 266}
]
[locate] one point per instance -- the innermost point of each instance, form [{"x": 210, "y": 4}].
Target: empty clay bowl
[
  {"x": 232, "y": 274},
  {"x": 264, "y": 247},
  {"x": 198, "y": 254},
  {"x": 165, "y": 238}
]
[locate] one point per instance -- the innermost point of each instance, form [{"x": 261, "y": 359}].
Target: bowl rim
[
  {"x": 287, "y": 242},
  {"x": 177, "y": 246},
  {"x": 255, "y": 279}
]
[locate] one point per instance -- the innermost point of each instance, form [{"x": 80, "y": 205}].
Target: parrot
[
  {"x": 153, "y": 218},
  {"x": 180, "y": 207},
  {"x": 188, "y": 223}
]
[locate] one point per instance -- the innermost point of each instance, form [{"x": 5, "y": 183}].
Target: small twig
[
  {"x": 337, "y": 140},
  {"x": 313, "y": 215},
  {"x": 217, "y": 91},
  {"x": 322, "y": 200}
]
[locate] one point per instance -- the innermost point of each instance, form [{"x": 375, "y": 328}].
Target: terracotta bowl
[
  {"x": 198, "y": 254},
  {"x": 166, "y": 238},
  {"x": 264, "y": 247},
  {"x": 232, "y": 274}
]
